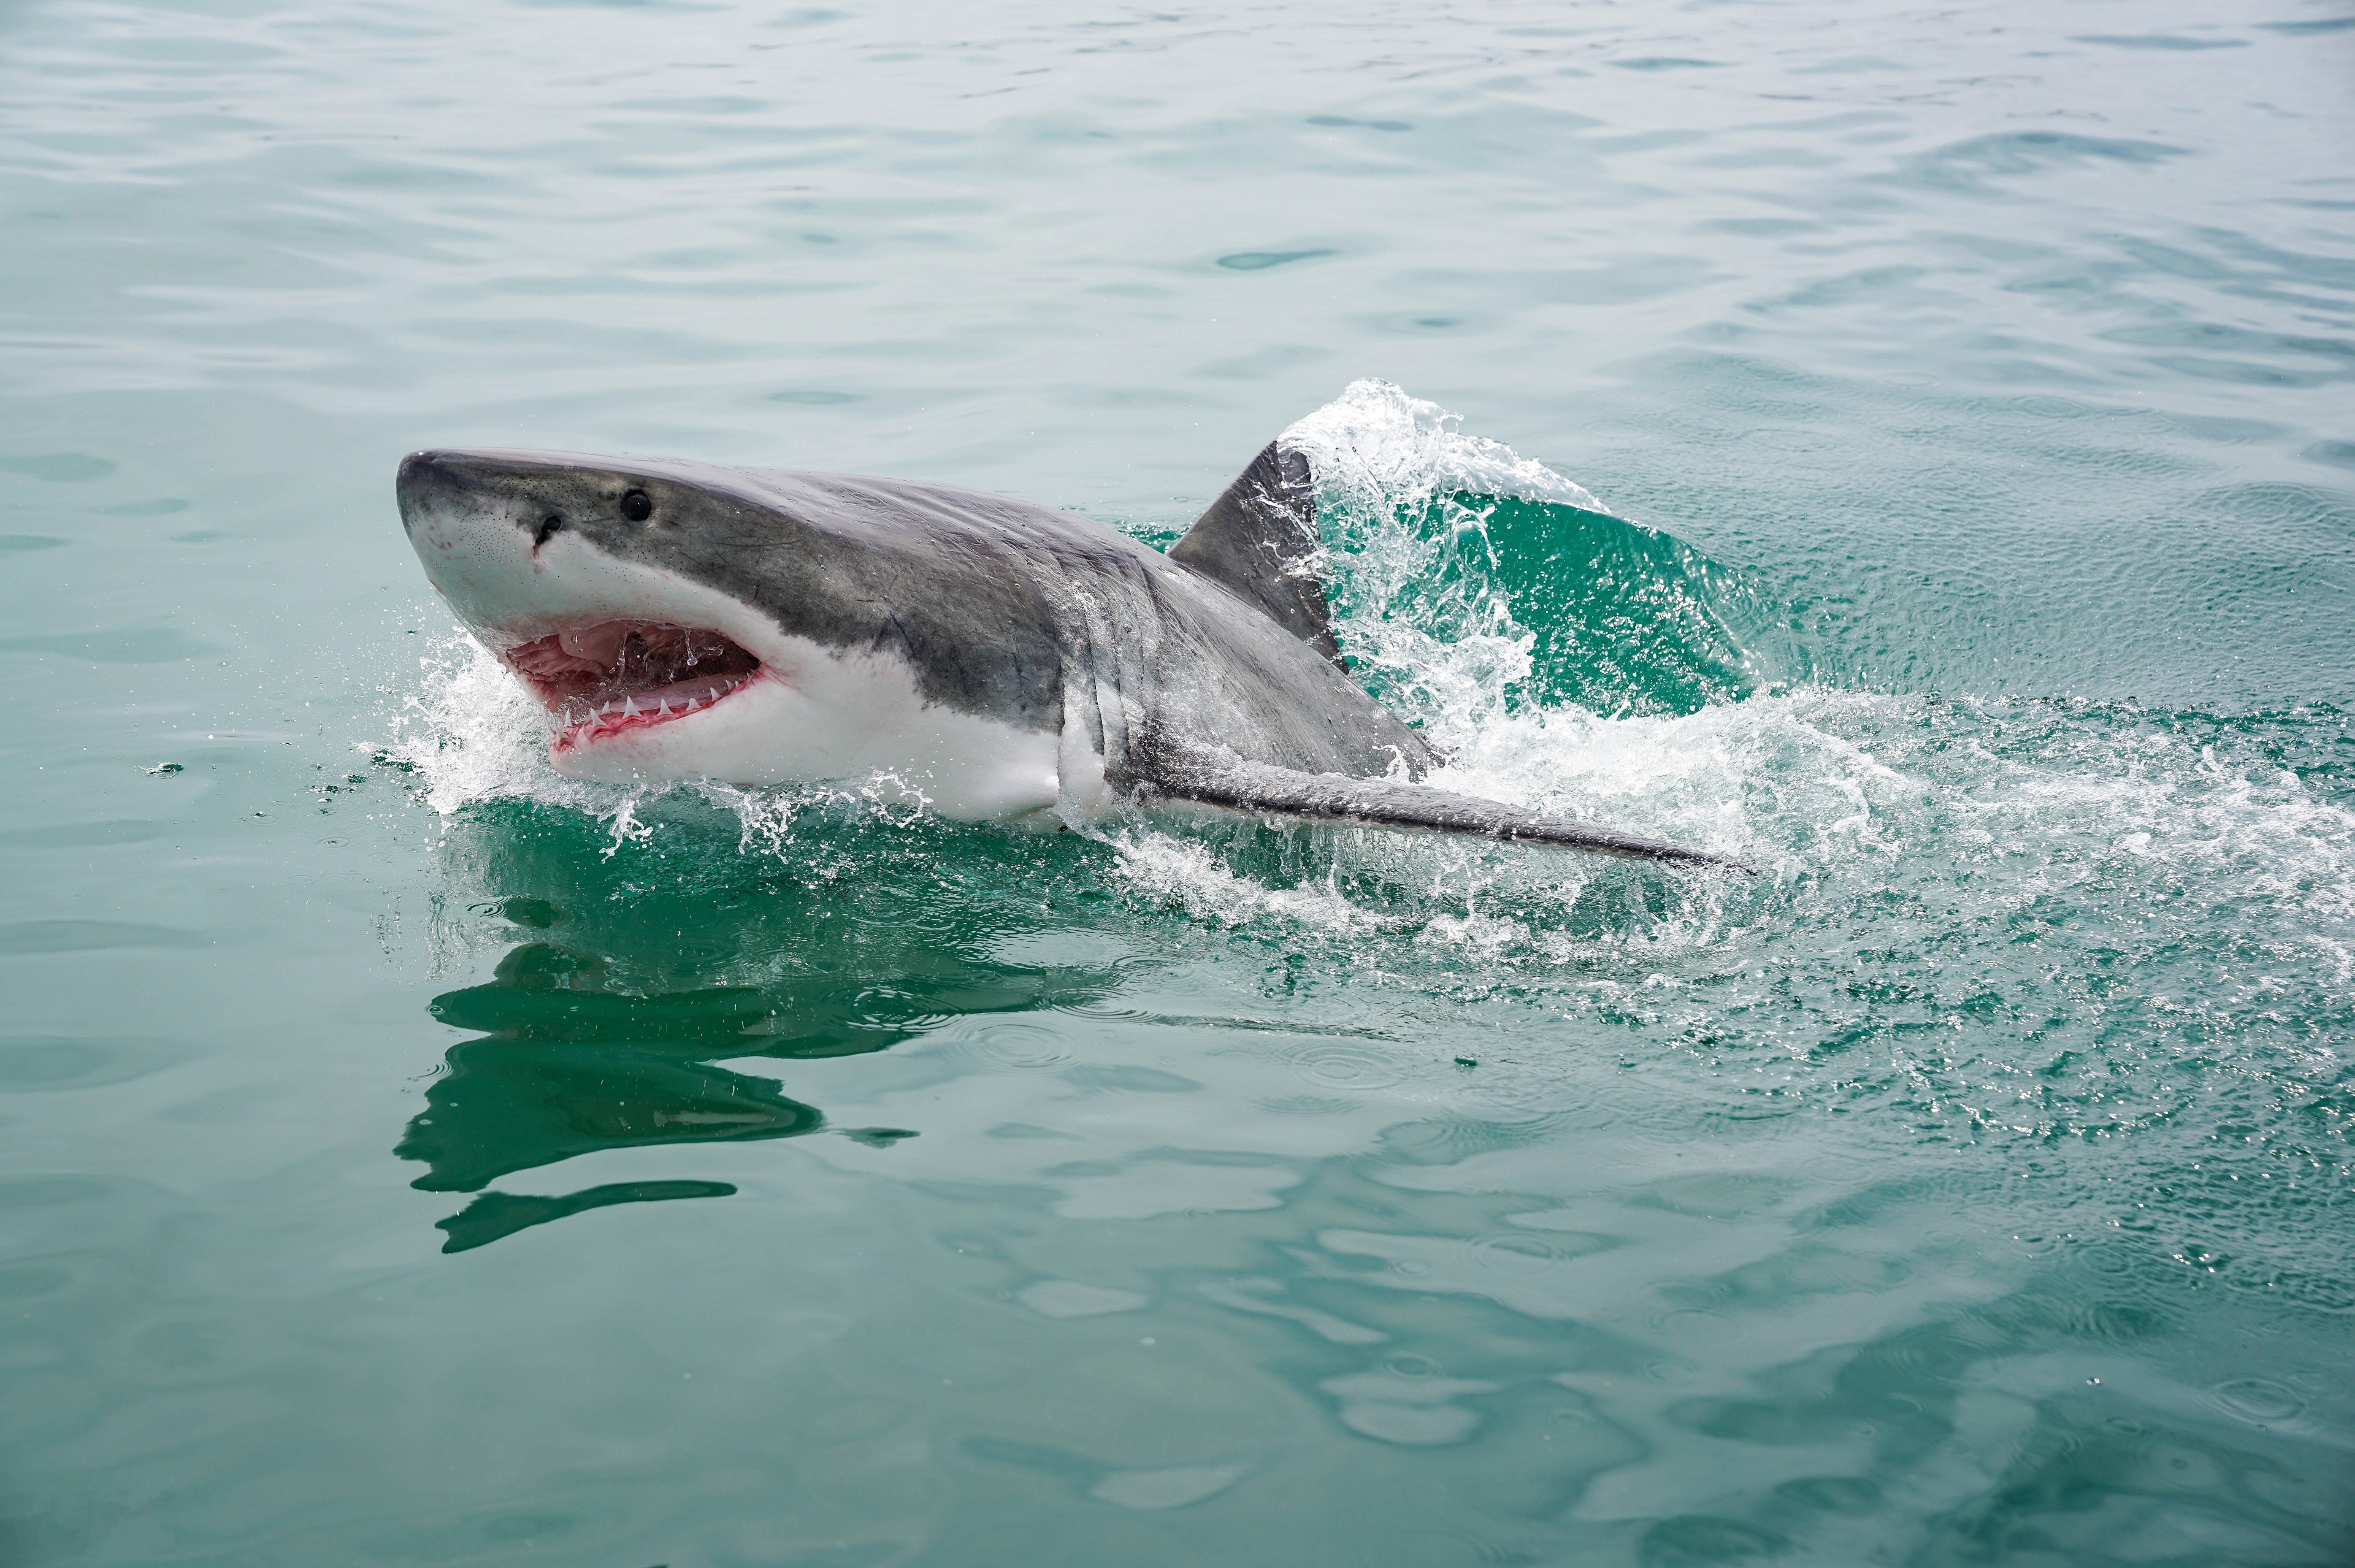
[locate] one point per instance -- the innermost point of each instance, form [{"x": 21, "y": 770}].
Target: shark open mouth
[{"x": 614, "y": 677}]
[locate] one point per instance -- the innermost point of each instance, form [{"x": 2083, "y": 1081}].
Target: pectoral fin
[{"x": 1239, "y": 786}]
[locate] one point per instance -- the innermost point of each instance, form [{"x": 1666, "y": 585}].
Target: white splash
[
  {"x": 1167, "y": 870},
  {"x": 1377, "y": 446},
  {"x": 1813, "y": 787},
  {"x": 472, "y": 733},
  {"x": 1382, "y": 460}
]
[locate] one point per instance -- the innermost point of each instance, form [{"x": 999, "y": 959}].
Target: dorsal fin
[{"x": 1253, "y": 539}]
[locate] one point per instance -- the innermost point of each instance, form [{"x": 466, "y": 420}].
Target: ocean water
[{"x": 1911, "y": 448}]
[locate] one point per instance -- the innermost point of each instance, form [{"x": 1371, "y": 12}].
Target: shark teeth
[
  {"x": 580, "y": 721},
  {"x": 612, "y": 677}
]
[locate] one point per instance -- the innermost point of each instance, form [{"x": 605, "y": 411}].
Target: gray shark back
[
  {"x": 1037, "y": 618},
  {"x": 1209, "y": 674}
]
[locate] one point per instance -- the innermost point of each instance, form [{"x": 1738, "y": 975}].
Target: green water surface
[{"x": 405, "y": 1158}]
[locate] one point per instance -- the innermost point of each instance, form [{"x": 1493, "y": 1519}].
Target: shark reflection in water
[{"x": 605, "y": 1039}]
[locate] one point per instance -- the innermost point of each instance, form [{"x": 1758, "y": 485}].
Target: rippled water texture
[{"x": 1909, "y": 449}]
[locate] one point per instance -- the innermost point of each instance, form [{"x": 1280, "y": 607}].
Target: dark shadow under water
[{"x": 639, "y": 974}]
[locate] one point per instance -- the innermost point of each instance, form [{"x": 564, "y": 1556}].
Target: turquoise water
[{"x": 1909, "y": 449}]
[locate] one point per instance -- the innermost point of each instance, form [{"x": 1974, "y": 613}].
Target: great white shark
[{"x": 683, "y": 620}]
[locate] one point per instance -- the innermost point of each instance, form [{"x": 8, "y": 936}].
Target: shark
[{"x": 1005, "y": 661}]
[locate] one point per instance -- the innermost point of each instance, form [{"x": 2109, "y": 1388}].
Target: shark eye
[{"x": 637, "y": 506}]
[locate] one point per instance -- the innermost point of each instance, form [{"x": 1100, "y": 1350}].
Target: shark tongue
[
  {"x": 607, "y": 673},
  {"x": 600, "y": 646}
]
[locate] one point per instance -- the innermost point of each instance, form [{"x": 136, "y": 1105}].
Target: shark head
[
  {"x": 583, "y": 579},
  {"x": 683, "y": 620}
]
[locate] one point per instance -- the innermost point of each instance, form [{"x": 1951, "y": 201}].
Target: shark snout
[
  {"x": 420, "y": 468},
  {"x": 428, "y": 485},
  {"x": 440, "y": 483},
  {"x": 472, "y": 533}
]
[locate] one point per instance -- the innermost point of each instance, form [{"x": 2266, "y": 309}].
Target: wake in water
[
  {"x": 1627, "y": 699},
  {"x": 2014, "y": 920}
]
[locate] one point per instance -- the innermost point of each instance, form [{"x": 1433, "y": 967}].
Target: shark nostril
[{"x": 549, "y": 526}]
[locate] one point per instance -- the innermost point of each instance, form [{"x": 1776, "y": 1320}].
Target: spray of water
[{"x": 1974, "y": 808}]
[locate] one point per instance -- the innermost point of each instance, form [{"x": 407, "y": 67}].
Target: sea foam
[{"x": 1970, "y": 804}]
